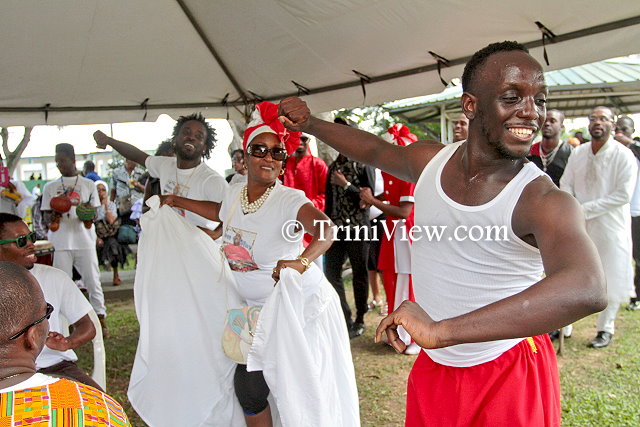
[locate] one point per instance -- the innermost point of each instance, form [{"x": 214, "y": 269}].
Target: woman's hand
[
  {"x": 170, "y": 200},
  {"x": 296, "y": 264}
]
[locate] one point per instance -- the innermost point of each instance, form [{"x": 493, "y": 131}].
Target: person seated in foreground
[
  {"x": 57, "y": 357},
  {"x": 28, "y": 397}
]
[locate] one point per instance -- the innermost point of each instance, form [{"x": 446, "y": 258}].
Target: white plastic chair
[{"x": 99, "y": 373}]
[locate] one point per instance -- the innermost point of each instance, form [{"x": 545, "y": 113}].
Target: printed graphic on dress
[
  {"x": 238, "y": 247},
  {"x": 171, "y": 187}
]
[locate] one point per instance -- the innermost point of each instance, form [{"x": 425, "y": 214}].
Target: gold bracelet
[{"x": 304, "y": 261}]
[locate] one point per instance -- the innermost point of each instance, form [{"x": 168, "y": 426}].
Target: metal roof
[{"x": 574, "y": 91}]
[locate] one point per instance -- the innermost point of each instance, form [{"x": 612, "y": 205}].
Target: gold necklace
[
  {"x": 178, "y": 188},
  {"x": 11, "y": 376},
  {"x": 253, "y": 207}
]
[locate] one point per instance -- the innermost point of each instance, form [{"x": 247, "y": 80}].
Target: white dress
[{"x": 603, "y": 184}]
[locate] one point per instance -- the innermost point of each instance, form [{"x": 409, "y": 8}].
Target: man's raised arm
[
  {"x": 405, "y": 163},
  {"x": 127, "y": 150}
]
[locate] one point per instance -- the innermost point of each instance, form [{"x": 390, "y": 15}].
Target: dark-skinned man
[
  {"x": 169, "y": 310},
  {"x": 478, "y": 301},
  {"x": 28, "y": 397},
  {"x": 460, "y": 128},
  {"x": 602, "y": 174},
  {"x": 57, "y": 357},
  {"x": 624, "y": 135},
  {"x": 551, "y": 154},
  {"x": 74, "y": 243},
  {"x": 186, "y": 174}
]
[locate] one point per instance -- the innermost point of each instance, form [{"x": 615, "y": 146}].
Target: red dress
[{"x": 308, "y": 174}]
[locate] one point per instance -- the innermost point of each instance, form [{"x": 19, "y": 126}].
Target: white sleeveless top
[{"x": 477, "y": 261}]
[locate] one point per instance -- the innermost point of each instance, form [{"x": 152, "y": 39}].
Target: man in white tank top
[{"x": 482, "y": 310}]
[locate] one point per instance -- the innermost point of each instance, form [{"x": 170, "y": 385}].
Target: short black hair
[
  {"x": 210, "y": 140},
  {"x": 554, "y": 110},
  {"x": 66, "y": 149},
  {"x": 606, "y": 107},
  {"x": 237, "y": 151},
  {"x": 7, "y": 218},
  {"x": 90, "y": 166},
  {"x": 17, "y": 306},
  {"x": 165, "y": 147},
  {"x": 480, "y": 57},
  {"x": 625, "y": 117}
]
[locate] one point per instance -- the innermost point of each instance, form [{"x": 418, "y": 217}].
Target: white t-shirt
[
  {"x": 72, "y": 234},
  {"x": 35, "y": 380},
  {"x": 67, "y": 300},
  {"x": 199, "y": 183},
  {"x": 260, "y": 240}
]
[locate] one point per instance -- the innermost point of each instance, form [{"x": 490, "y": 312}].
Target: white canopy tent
[{"x": 92, "y": 61}]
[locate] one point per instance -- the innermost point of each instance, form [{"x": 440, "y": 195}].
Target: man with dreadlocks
[
  {"x": 186, "y": 174},
  {"x": 175, "y": 345}
]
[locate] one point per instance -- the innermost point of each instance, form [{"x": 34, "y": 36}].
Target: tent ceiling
[
  {"x": 92, "y": 61},
  {"x": 574, "y": 91}
]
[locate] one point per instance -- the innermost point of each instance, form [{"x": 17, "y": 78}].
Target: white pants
[
  {"x": 607, "y": 318},
  {"x": 86, "y": 262}
]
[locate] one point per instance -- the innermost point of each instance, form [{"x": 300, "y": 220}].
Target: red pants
[{"x": 519, "y": 388}]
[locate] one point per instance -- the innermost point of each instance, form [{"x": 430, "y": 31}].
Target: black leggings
[{"x": 251, "y": 390}]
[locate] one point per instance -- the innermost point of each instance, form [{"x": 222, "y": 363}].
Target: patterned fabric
[
  {"x": 342, "y": 205},
  {"x": 63, "y": 403}
]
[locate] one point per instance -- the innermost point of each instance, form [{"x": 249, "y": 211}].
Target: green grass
[
  {"x": 599, "y": 387},
  {"x": 129, "y": 265}
]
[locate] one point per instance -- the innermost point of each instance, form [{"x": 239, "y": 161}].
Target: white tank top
[{"x": 477, "y": 260}]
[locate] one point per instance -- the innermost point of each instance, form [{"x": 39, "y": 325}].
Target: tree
[
  {"x": 376, "y": 119},
  {"x": 12, "y": 157}
]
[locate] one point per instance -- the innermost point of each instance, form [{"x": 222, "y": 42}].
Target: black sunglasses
[
  {"x": 47, "y": 315},
  {"x": 21, "y": 241},
  {"x": 261, "y": 151}
]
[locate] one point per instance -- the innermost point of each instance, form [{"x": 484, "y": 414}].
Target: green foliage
[{"x": 376, "y": 119}]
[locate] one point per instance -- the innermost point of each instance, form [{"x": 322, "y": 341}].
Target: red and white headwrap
[
  {"x": 264, "y": 119},
  {"x": 399, "y": 134}
]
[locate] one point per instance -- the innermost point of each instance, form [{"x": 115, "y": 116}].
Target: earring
[
  {"x": 281, "y": 171},
  {"x": 244, "y": 167}
]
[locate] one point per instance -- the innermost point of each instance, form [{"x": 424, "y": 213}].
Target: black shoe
[
  {"x": 356, "y": 330},
  {"x": 602, "y": 339},
  {"x": 633, "y": 306},
  {"x": 554, "y": 335}
]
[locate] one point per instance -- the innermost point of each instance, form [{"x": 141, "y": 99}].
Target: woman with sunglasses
[{"x": 264, "y": 223}]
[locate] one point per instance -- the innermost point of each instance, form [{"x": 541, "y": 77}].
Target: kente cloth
[
  {"x": 302, "y": 346},
  {"x": 603, "y": 184},
  {"x": 519, "y": 388},
  {"x": 180, "y": 375},
  {"x": 59, "y": 403}
]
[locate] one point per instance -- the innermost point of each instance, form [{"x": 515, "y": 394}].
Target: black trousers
[
  {"x": 335, "y": 257},
  {"x": 635, "y": 237}
]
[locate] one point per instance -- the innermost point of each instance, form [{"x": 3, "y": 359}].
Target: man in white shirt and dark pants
[
  {"x": 602, "y": 175},
  {"x": 73, "y": 241}
]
